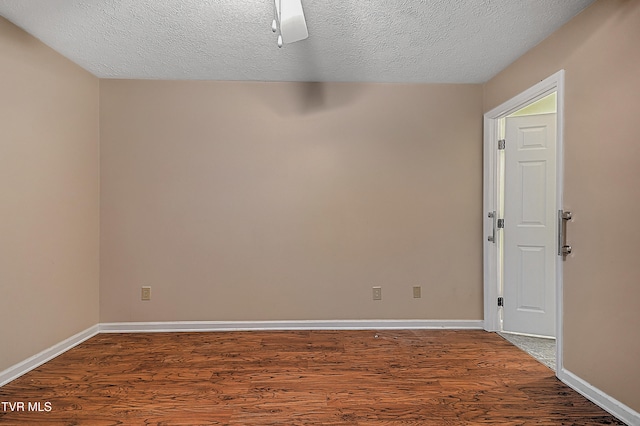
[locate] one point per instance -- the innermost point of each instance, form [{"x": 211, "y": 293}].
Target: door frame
[{"x": 492, "y": 273}]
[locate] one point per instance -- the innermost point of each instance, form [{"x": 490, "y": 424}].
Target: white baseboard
[
  {"x": 595, "y": 395},
  {"x": 37, "y": 360},
  {"x": 176, "y": 326}
]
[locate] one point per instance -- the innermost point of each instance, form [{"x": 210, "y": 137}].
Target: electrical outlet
[
  {"x": 377, "y": 293},
  {"x": 146, "y": 293},
  {"x": 417, "y": 292}
]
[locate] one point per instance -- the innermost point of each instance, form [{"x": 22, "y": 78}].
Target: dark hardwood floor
[{"x": 419, "y": 377}]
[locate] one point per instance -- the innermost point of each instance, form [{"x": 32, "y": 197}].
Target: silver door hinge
[
  {"x": 500, "y": 301},
  {"x": 501, "y": 144},
  {"x": 500, "y": 223}
]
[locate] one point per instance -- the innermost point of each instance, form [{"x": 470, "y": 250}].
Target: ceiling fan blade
[{"x": 293, "y": 26}]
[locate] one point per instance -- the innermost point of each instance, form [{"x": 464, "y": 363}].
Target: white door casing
[
  {"x": 530, "y": 225},
  {"x": 492, "y": 267}
]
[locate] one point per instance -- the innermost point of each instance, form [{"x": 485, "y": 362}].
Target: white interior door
[{"x": 530, "y": 221}]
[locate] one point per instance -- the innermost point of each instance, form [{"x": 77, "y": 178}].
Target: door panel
[
  {"x": 531, "y": 294},
  {"x": 532, "y": 176},
  {"x": 530, "y": 225}
]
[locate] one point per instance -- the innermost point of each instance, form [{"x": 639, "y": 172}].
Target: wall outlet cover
[
  {"x": 377, "y": 293},
  {"x": 146, "y": 293},
  {"x": 417, "y": 292}
]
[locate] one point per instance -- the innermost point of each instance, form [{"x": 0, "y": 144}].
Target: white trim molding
[
  {"x": 38, "y": 359},
  {"x": 186, "y": 326},
  {"x": 598, "y": 397}
]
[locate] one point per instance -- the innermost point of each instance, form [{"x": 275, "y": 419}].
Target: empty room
[{"x": 292, "y": 212}]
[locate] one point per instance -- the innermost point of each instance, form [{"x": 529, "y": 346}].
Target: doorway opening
[
  {"x": 526, "y": 193},
  {"x": 523, "y": 184}
]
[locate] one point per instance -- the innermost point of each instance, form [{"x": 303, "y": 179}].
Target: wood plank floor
[{"x": 408, "y": 377}]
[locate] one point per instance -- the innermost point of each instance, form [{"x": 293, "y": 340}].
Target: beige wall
[
  {"x": 287, "y": 201},
  {"x": 49, "y": 207},
  {"x": 599, "y": 51}
]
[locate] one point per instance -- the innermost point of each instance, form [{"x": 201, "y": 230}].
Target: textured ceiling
[{"x": 433, "y": 41}]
